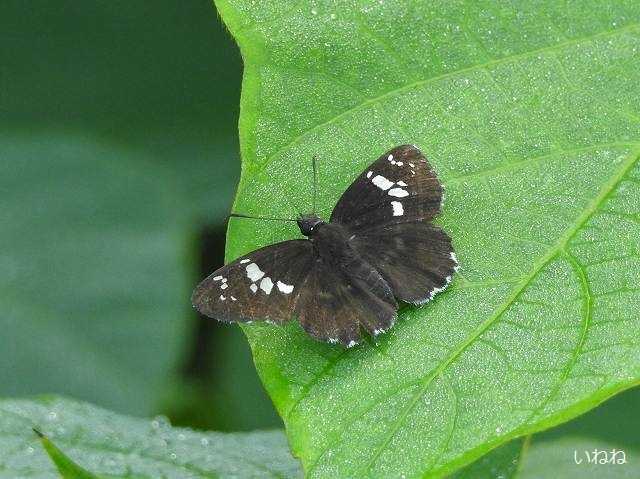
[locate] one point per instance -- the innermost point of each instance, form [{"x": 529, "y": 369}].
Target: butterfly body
[
  {"x": 331, "y": 245},
  {"x": 378, "y": 247}
]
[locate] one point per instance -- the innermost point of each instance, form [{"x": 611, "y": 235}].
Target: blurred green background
[{"x": 118, "y": 163}]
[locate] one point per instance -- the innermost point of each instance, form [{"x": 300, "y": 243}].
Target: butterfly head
[{"x": 307, "y": 223}]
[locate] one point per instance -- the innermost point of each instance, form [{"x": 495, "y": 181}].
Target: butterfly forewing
[
  {"x": 398, "y": 187},
  {"x": 263, "y": 285}
]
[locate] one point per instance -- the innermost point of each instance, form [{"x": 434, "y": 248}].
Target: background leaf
[
  {"x": 65, "y": 466},
  {"x": 64, "y": 296},
  {"x": 552, "y": 453},
  {"x": 529, "y": 112},
  {"x": 503, "y": 462},
  {"x": 611, "y": 426},
  {"x": 107, "y": 444},
  {"x": 546, "y": 454}
]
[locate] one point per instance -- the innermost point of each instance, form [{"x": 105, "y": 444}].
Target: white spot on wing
[
  {"x": 398, "y": 192},
  {"x": 401, "y": 183},
  {"x": 399, "y": 163},
  {"x": 224, "y": 286},
  {"x": 381, "y": 182},
  {"x": 266, "y": 285},
  {"x": 254, "y": 273},
  {"x": 243, "y": 261},
  {"x": 398, "y": 210},
  {"x": 217, "y": 278},
  {"x": 390, "y": 157},
  {"x": 233, "y": 298},
  {"x": 253, "y": 287},
  {"x": 284, "y": 288},
  {"x": 369, "y": 173},
  {"x": 351, "y": 344},
  {"x": 412, "y": 165},
  {"x": 222, "y": 298}
]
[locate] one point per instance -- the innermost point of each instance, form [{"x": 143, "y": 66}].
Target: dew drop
[{"x": 160, "y": 422}]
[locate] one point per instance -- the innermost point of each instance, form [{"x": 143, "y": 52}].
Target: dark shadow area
[{"x": 199, "y": 366}]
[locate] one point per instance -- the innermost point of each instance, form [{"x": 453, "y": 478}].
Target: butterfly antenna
[
  {"x": 315, "y": 182},
  {"x": 269, "y": 218}
]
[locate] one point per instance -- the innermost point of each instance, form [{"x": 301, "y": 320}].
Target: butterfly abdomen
[{"x": 331, "y": 244}]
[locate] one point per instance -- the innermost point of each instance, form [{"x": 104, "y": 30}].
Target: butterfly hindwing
[
  {"x": 337, "y": 302},
  {"x": 398, "y": 187},
  {"x": 416, "y": 259},
  {"x": 262, "y": 285}
]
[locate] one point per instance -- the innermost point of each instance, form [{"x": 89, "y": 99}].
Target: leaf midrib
[
  {"x": 390, "y": 93},
  {"x": 552, "y": 252}
]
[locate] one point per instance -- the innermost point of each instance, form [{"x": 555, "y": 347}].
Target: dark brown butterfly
[{"x": 378, "y": 247}]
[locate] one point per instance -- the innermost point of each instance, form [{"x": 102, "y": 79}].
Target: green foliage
[
  {"x": 529, "y": 112},
  {"x": 110, "y": 444},
  {"x": 93, "y": 277},
  {"x": 83, "y": 441}
]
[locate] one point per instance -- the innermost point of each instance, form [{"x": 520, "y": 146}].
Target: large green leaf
[
  {"x": 529, "y": 111},
  {"x": 81, "y": 437}
]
